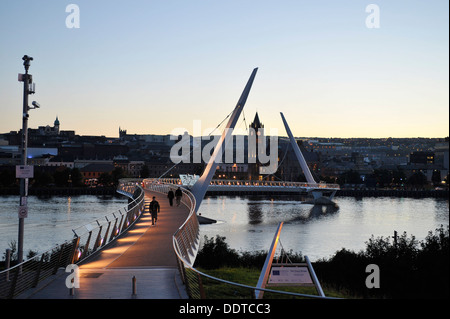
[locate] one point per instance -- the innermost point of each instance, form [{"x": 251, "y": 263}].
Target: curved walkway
[{"x": 144, "y": 252}]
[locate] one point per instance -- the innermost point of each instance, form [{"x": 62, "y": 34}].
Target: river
[
  {"x": 318, "y": 231},
  {"x": 51, "y": 219},
  {"x": 247, "y": 223}
]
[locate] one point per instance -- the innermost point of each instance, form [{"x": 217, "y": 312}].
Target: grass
[{"x": 249, "y": 276}]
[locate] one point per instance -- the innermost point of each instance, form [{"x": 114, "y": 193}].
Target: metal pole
[
  {"x": 8, "y": 262},
  {"x": 133, "y": 284},
  {"x": 265, "y": 272},
  {"x": 24, "y": 145},
  {"x": 314, "y": 277}
]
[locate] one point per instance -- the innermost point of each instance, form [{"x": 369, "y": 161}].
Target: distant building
[
  {"x": 11, "y": 155},
  {"x": 47, "y": 130},
  {"x": 92, "y": 172},
  {"x": 232, "y": 171},
  {"x": 256, "y": 128},
  {"x": 289, "y": 168},
  {"x": 441, "y": 150},
  {"x": 59, "y": 161},
  {"x": 421, "y": 157},
  {"x": 425, "y": 163}
]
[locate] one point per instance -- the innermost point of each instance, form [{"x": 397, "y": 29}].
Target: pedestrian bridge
[
  {"x": 254, "y": 185},
  {"x": 320, "y": 193}
]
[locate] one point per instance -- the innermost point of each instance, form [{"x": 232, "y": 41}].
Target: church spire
[
  {"x": 256, "y": 124},
  {"x": 56, "y": 125}
]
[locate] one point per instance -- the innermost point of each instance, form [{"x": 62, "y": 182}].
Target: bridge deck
[
  {"x": 145, "y": 245},
  {"x": 145, "y": 252}
]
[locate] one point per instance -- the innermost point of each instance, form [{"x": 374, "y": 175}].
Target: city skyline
[{"x": 150, "y": 67}]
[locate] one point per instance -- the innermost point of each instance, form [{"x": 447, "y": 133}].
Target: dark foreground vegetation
[{"x": 409, "y": 269}]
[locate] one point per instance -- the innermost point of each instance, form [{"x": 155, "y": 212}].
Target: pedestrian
[
  {"x": 178, "y": 195},
  {"x": 154, "y": 210},
  {"x": 171, "y": 196}
]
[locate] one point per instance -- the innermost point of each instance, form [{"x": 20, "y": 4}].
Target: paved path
[{"x": 144, "y": 252}]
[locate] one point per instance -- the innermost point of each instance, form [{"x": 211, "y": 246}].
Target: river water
[
  {"x": 50, "y": 220},
  {"x": 247, "y": 223}
]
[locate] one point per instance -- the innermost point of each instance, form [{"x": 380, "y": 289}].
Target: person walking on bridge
[
  {"x": 171, "y": 196},
  {"x": 178, "y": 195},
  {"x": 154, "y": 210}
]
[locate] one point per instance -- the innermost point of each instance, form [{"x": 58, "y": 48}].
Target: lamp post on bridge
[{"x": 23, "y": 171}]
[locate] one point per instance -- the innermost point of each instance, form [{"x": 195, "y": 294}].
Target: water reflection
[
  {"x": 320, "y": 211},
  {"x": 69, "y": 201},
  {"x": 255, "y": 213},
  {"x": 441, "y": 208},
  {"x": 313, "y": 214}
]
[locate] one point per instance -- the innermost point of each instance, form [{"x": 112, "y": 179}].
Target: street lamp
[{"x": 23, "y": 171}]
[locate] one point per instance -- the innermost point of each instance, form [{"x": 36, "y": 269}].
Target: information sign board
[
  {"x": 24, "y": 171},
  {"x": 290, "y": 276}
]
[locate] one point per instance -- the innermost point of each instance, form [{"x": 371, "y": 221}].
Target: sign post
[{"x": 268, "y": 264}]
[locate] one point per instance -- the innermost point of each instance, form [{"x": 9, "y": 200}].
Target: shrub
[
  {"x": 216, "y": 253},
  {"x": 408, "y": 268}
]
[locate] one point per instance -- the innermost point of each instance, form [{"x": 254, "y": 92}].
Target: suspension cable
[{"x": 171, "y": 168}]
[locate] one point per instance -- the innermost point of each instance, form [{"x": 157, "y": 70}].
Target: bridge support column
[{"x": 320, "y": 199}]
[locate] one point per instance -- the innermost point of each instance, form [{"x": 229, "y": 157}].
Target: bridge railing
[
  {"x": 256, "y": 183},
  {"x": 87, "y": 240},
  {"x": 252, "y": 183},
  {"x": 97, "y": 235},
  {"x": 186, "y": 242}
]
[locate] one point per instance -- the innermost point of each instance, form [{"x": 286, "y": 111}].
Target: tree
[
  {"x": 61, "y": 176},
  {"x": 42, "y": 178},
  {"x": 398, "y": 176},
  {"x": 349, "y": 177},
  {"x": 117, "y": 174},
  {"x": 145, "y": 172},
  {"x": 77, "y": 178},
  {"x": 386, "y": 177},
  {"x": 436, "y": 177},
  {"x": 105, "y": 179},
  {"x": 383, "y": 177},
  {"x": 216, "y": 253},
  {"x": 417, "y": 179},
  {"x": 7, "y": 178}
]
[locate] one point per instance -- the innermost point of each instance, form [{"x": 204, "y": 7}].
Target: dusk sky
[{"x": 153, "y": 66}]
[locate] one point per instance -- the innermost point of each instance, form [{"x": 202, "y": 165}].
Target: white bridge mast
[
  {"x": 200, "y": 187},
  {"x": 317, "y": 192},
  {"x": 298, "y": 153}
]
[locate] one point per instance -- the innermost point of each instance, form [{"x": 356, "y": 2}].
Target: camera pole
[{"x": 24, "y": 144}]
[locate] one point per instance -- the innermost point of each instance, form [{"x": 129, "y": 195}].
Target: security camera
[
  {"x": 36, "y": 104},
  {"x": 26, "y": 62}
]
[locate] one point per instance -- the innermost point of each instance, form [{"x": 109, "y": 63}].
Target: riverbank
[
  {"x": 393, "y": 193},
  {"x": 72, "y": 191},
  {"x": 61, "y": 191},
  {"x": 346, "y": 193}
]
